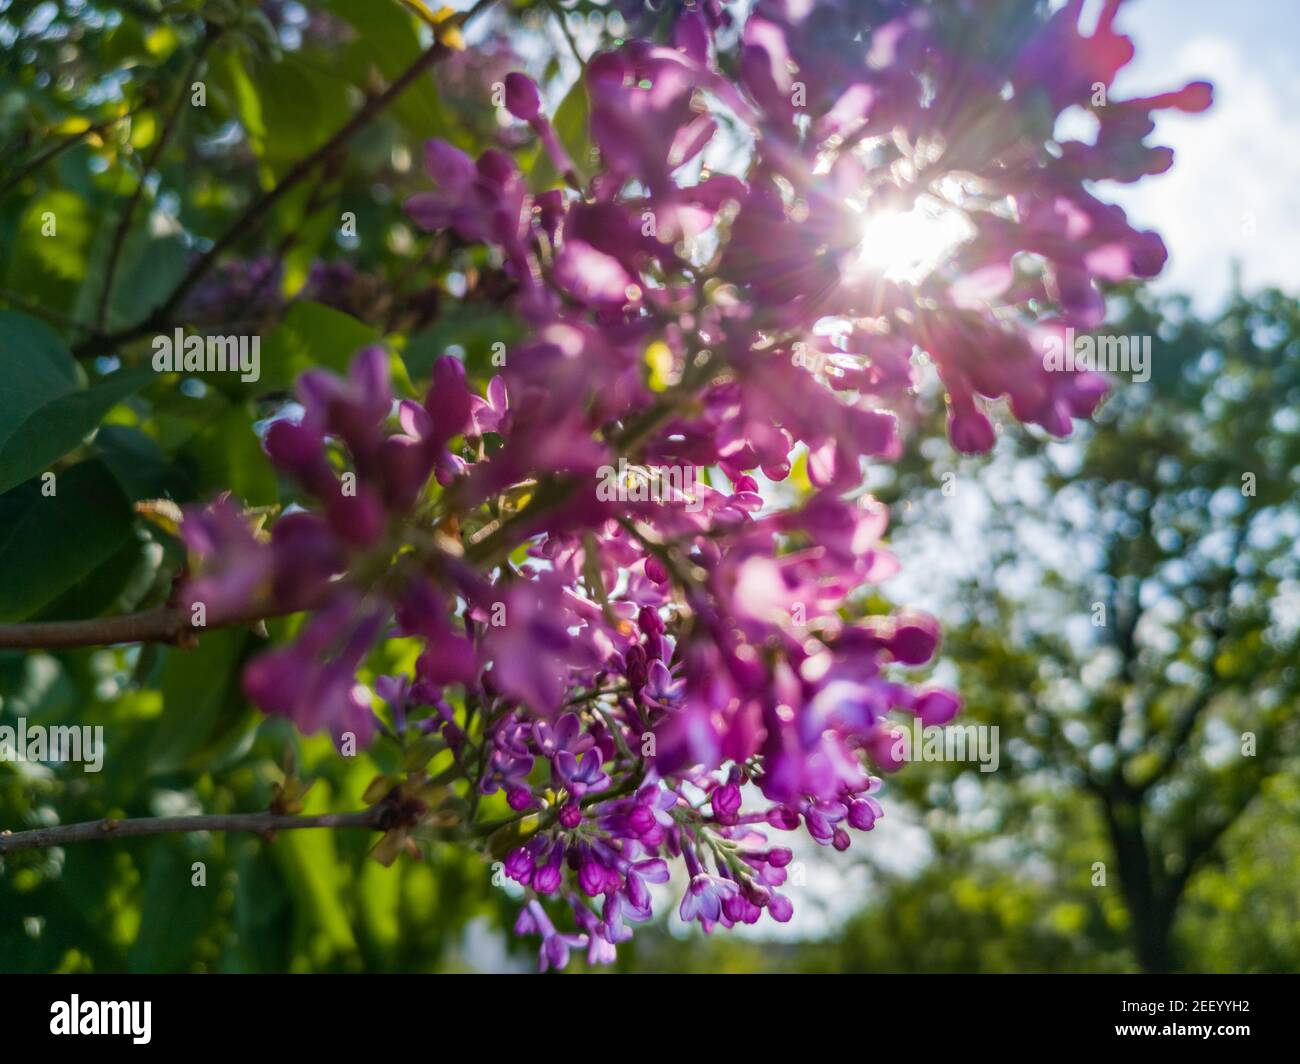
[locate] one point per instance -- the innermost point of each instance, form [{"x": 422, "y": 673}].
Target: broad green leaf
[
  {"x": 178, "y": 914},
  {"x": 247, "y": 103},
  {"x": 49, "y": 364},
  {"x": 147, "y": 270},
  {"x": 471, "y": 328},
  {"x": 380, "y": 894},
  {"x": 99, "y": 591},
  {"x": 50, "y": 543},
  {"x": 56, "y": 231},
  {"x": 263, "y": 913},
  {"x": 44, "y": 411},
  {"x": 387, "y": 41},
  {"x": 302, "y": 107},
  {"x": 149, "y": 275},
  {"x": 139, "y": 464},
  {"x": 310, "y": 862},
  {"x": 49, "y": 432},
  {"x": 227, "y": 454},
  {"x": 311, "y": 335},
  {"x": 310, "y": 234},
  {"x": 202, "y": 703},
  {"x": 124, "y": 42}
]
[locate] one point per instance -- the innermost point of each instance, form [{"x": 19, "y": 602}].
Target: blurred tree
[{"x": 1129, "y": 623}]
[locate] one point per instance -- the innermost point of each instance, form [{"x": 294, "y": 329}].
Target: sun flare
[{"x": 908, "y": 246}]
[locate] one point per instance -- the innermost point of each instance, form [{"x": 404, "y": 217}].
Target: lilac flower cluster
[
  {"x": 251, "y": 290},
  {"x": 648, "y": 685}
]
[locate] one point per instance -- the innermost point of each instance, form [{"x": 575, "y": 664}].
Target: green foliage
[
  {"x": 311, "y": 335},
  {"x": 51, "y": 544},
  {"x": 113, "y": 167},
  {"x": 45, "y": 411}
]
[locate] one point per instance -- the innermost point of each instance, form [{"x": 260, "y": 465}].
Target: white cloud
[{"x": 1231, "y": 192}]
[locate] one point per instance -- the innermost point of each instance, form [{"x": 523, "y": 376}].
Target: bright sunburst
[{"x": 908, "y": 246}]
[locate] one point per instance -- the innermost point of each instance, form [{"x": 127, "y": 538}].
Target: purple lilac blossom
[{"x": 657, "y": 686}]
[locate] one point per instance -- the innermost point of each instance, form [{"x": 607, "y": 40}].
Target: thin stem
[
  {"x": 600, "y": 692},
  {"x": 616, "y": 731},
  {"x": 254, "y": 823},
  {"x": 55, "y": 150},
  {"x": 549, "y": 816},
  {"x": 685, "y": 574},
  {"x": 29, "y": 306},
  {"x": 169, "y": 124},
  {"x": 559, "y": 13}
]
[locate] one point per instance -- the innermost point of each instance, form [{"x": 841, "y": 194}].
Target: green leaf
[
  {"x": 202, "y": 703},
  {"x": 123, "y": 44},
  {"x": 139, "y": 464},
  {"x": 152, "y": 269},
  {"x": 99, "y": 591},
  {"x": 311, "y": 335},
  {"x": 263, "y": 913},
  {"x": 422, "y": 751},
  {"x": 56, "y": 232},
  {"x": 177, "y": 913},
  {"x": 227, "y": 455},
  {"x": 44, "y": 411},
  {"x": 302, "y": 107},
  {"x": 474, "y": 329},
  {"x": 514, "y": 834},
  {"x": 49, "y": 364},
  {"x": 311, "y": 866},
  {"x": 387, "y": 40},
  {"x": 310, "y": 233},
  {"x": 245, "y": 99},
  {"x": 148, "y": 268},
  {"x": 50, "y": 543}
]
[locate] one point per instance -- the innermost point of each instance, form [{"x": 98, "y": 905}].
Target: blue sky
[{"x": 1234, "y": 191}]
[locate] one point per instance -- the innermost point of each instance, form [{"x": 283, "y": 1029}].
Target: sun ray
[{"x": 907, "y": 246}]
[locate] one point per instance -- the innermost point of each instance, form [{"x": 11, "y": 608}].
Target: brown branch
[
  {"x": 162, "y": 624},
  {"x": 1200, "y": 844},
  {"x": 377, "y": 818},
  {"x": 372, "y": 819},
  {"x": 57, "y": 149},
  {"x": 1185, "y": 722},
  {"x": 170, "y": 122},
  {"x": 30, "y": 306},
  {"x": 253, "y": 823}
]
